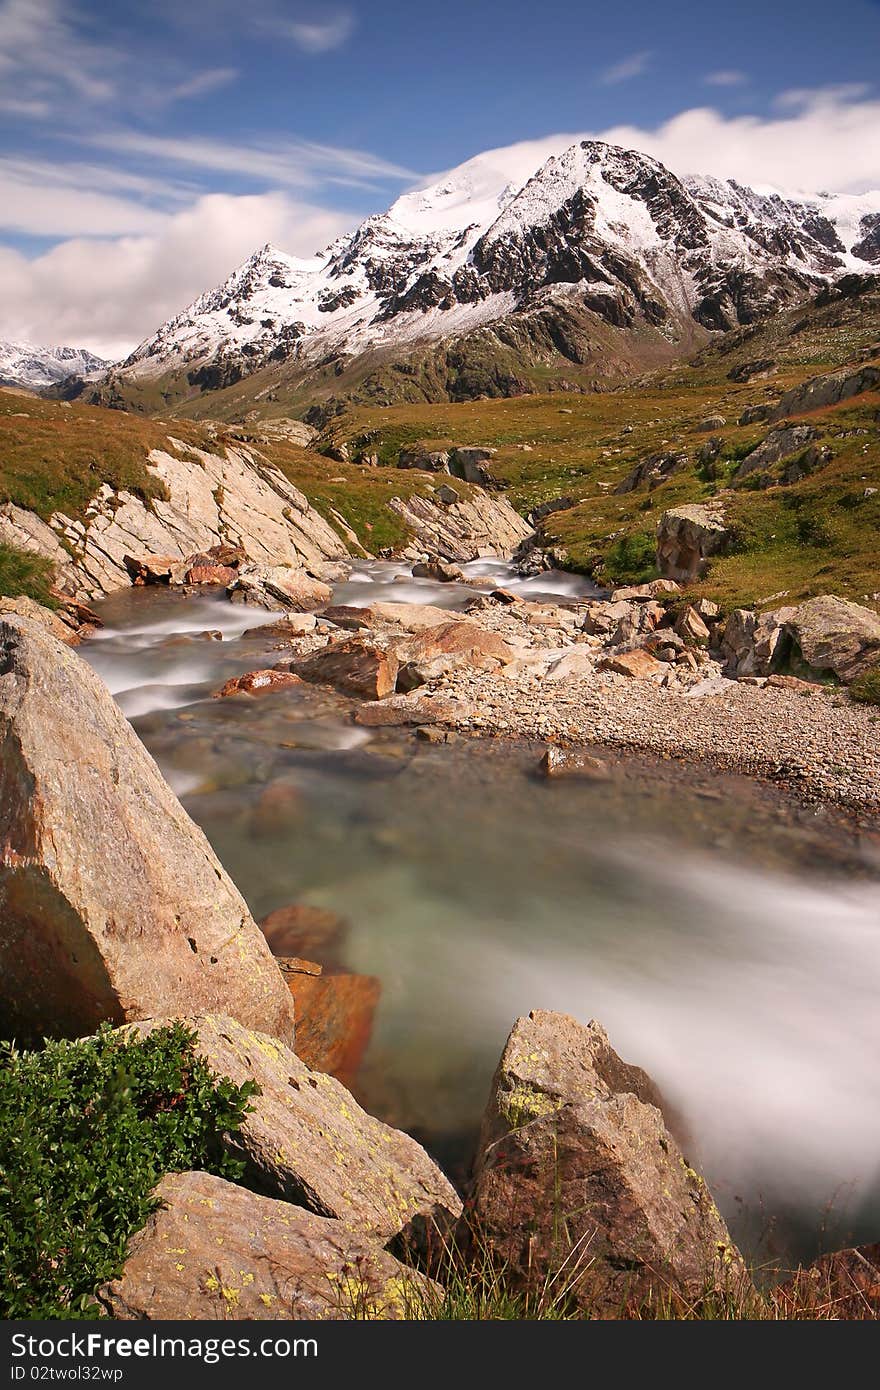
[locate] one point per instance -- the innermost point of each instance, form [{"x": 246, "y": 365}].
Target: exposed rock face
[
  {"x": 31, "y": 611},
  {"x": 650, "y": 472},
  {"x": 779, "y": 443},
  {"x": 355, "y": 666},
  {"x": 26, "y": 531},
  {"x": 307, "y": 1139},
  {"x": 576, "y": 1165},
  {"x": 836, "y": 635},
  {"x": 232, "y": 496},
  {"x": 826, "y": 634},
  {"x": 112, "y": 902},
  {"x": 687, "y": 537},
  {"x": 213, "y": 1250},
  {"x": 845, "y": 1285},
  {"x": 829, "y": 389},
  {"x": 462, "y": 526}
]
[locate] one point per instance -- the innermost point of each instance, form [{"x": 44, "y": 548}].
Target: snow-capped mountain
[
  {"x": 606, "y": 232},
  {"x": 25, "y": 364}
]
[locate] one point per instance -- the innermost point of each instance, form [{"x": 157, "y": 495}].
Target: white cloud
[
  {"x": 828, "y": 140},
  {"x": 319, "y": 35},
  {"x": 287, "y": 164},
  {"x": 726, "y": 77},
  {"x": 202, "y": 82},
  {"x": 632, "y": 66},
  {"x": 109, "y": 294}
]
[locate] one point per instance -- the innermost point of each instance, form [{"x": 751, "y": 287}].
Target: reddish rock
[
  {"x": 355, "y": 666},
  {"x": 334, "y": 1019},
  {"x": 638, "y": 664},
  {"x": 257, "y": 683},
  {"x": 302, "y": 930},
  {"x": 795, "y": 684},
  {"x": 394, "y": 714},
  {"x": 578, "y": 1180},
  {"x": 278, "y": 811},
  {"x": 210, "y": 574},
  {"x": 344, "y": 615},
  {"x": 573, "y": 762},
  {"x": 843, "y": 1285}
]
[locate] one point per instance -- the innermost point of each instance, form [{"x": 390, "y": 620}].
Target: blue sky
[{"x": 148, "y": 145}]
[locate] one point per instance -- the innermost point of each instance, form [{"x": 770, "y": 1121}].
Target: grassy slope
[
  {"x": 816, "y": 536},
  {"x": 54, "y": 457}
]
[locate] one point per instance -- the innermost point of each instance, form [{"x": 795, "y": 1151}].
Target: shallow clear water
[{"x": 729, "y": 942}]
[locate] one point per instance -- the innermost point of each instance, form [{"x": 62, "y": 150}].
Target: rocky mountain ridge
[
  {"x": 35, "y": 368},
  {"x": 599, "y": 238}
]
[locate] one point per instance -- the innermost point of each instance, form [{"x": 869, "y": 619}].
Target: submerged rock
[
  {"x": 334, "y": 1018},
  {"x": 214, "y": 1251},
  {"x": 307, "y": 1139},
  {"x": 112, "y": 903},
  {"x": 579, "y": 1180},
  {"x": 573, "y": 762}
]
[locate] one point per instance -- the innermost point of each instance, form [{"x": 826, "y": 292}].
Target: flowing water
[{"x": 728, "y": 941}]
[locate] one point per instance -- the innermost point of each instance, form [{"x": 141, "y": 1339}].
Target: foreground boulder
[
  {"x": 578, "y": 1178},
  {"x": 213, "y": 1250},
  {"x": 112, "y": 903},
  {"x": 307, "y": 1140}
]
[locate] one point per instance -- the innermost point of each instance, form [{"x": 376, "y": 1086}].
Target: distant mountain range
[
  {"x": 500, "y": 279},
  {"x": 25, "y": 364}
]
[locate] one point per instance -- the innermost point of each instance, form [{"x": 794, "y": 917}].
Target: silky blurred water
[{"x": 729, "y": 943}]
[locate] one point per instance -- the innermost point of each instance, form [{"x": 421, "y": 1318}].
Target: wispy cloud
[
  {"x": 202, "y": 82},
  {"x": 726, "y": 77},
  {"x": 634, "y": 65},
  {"x": 316, "y": 36},
  {"x": 280, "y": 164}
]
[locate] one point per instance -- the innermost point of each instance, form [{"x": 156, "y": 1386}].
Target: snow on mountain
[
  {"x": 24, "y": 364},
  {"x": 610, "y": 227}
]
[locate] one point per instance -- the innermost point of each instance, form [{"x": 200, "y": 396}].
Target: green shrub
[
  {"x": 22, "y": 572},
  {"x": 87, "y": 1129},
  {"x": 632, "y": 559},
  {"x": 866, "y": 687}
]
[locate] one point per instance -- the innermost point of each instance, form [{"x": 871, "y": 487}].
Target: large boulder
[
  {"x": 355, "y": 666},
  {"x": 750, "y": 641},
  {"x": 308, "y": 1141},
  {"x": 687, "y": 537},
  {"x": 578, "y": 1178},
  {"x": 112, "y": 903},
  {"x": 832, "y": 634},
  {"x": 279, "y": 586},
  {"x": 779, "y": 444},
  {"x": 829, "y": 389},
  {"x": 215, "y": 1251}
]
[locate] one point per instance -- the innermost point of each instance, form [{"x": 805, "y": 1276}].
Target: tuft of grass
[
  {"x": 22, "y": 573},
  {"x": 87, "y": 1129},
  {"x": 866, "y": 687}
]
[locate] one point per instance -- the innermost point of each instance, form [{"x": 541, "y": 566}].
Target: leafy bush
[
  {"x": 87, "y": 1129},
  {"x": 632, "y": 559},
  {"x": 866, "y": 687},
  {"x": 22, "y": 572}
]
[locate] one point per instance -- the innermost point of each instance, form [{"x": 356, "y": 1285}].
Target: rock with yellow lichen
[
  {"x": 308, "y": 1141},
  {"x": 579, "y": 1180},
  {"x": 216, "y": 1251}
]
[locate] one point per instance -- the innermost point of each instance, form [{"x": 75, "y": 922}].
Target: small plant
[
  {"x": 24, "y": 573},
  {"x": 866, "y": 687},
  {"x": 87, "y": 1129},
  {"x": 632, "y": 559}
]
